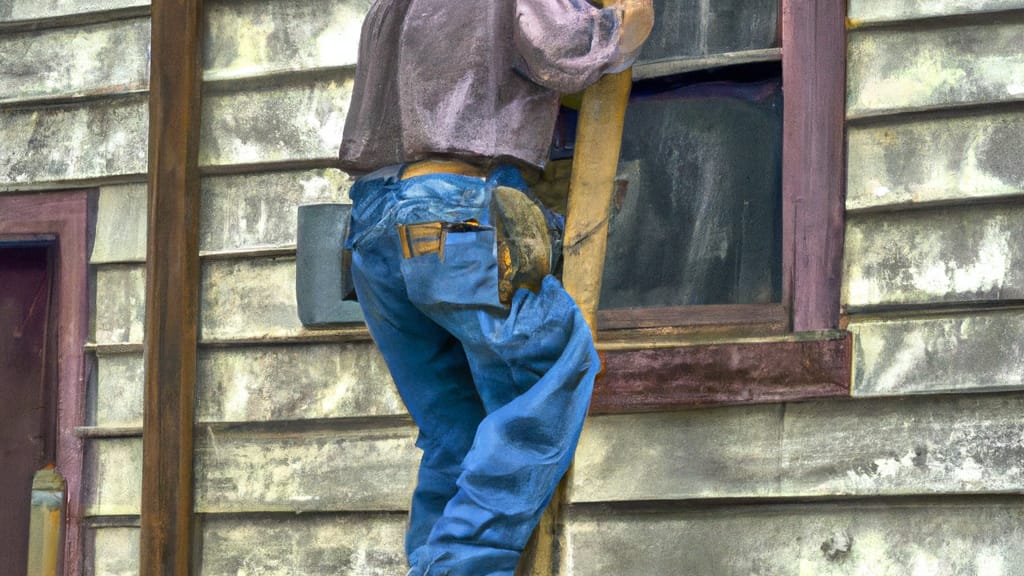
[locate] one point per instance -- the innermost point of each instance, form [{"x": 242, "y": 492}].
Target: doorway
[{"x": 27, "y": 406}]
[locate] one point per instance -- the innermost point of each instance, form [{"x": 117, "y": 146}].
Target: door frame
[{"x": 62, "y": 218}]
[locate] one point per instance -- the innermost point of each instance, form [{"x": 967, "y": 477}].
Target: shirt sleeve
[{"x": 566, "y": 45}]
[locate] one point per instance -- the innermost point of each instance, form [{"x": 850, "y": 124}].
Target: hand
[{"x": 637, "y": 21}]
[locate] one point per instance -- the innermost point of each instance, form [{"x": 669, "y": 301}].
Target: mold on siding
[
  {"x": 304, "y": 471},
  {"x": 877, "y": 11},
  {"x": 275, "y": 123},
  {"x": 259, "y": 210},
  {"x": 294, "y": 382},
  {"x": 938, "y": 256},
  {"x": 881, "y": 539},
  {"x": 120, "y": 307},
  {"x": 919, "y": 355},
  {"x": 74, "y": 142},
  {"x": 342, "y": 544},
  {"x": 119, "y": 391},
  {"x": 935, "y": 159},
  {"x": 252, "y": 38},
  {"x": 113, "y": 551},
  {"x": 22, "y": 10},
  {"x": 64, "y": 62},
  {"x": 905, "y": 446},
  {"x": 120, "y": 225},
  {"x": 898, "y": 69},
  {"x": 113, "y": 469}
]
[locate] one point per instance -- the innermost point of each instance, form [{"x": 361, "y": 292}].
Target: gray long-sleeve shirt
[{"x": 473, "y": 79}]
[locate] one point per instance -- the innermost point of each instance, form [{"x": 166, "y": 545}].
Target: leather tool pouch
[{"x": 323, "y": 278}]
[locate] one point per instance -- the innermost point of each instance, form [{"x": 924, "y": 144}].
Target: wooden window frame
[
  {"x": 773, "y": 352},
  {"x": 61, "y": 220}
]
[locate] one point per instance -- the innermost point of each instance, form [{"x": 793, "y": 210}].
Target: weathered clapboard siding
[
  {"x": 27, "y": 10},
  {"x": 64, "y": 62},
  {"x": 933, "y": 159},
  {"x": 120, "y": 225},
  {"x": 113, "y": 471},
  {"x": 254, "y": 211},
  {"x": 118, "y": 392},
  {"x": 256, "y": 37},
  {"x": 277, "y": 121},
  {"x": 304, "y": 471},
  {"x": 112, "y": 551},
  {"x": 242, "y": 299},
  {"x": 120, "y": 307},
  {"x": 245, "y": 212},
  {"x": 862, "y": 12},
  {"x": 946, "y": 538},
  {"x": 933, "y": 67},
  {"x": 922, "y": 355},
  {"x": 259, "y": 384},
  {"x": 343, "y": 544},
  {"x": 85, "y": 141},
  {"x": 906, "y": 446},
  {"x": 939, "y": 256},
  {"x": 252, "y": 299},
  {"x": 294, "y": 382}
]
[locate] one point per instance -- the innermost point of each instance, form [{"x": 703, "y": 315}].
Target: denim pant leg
[
  {"x": 432, "y": 375},
  {"x": 529, "y": 368},
  {"x": 533, "y": 365}
]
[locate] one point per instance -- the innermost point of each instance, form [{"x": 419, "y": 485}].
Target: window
[{"x": 727, "y": 224}]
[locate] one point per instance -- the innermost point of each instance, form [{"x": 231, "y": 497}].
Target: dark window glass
[
  {"x": 698, "y": 28},
  {"x": 696, "y": 216}
]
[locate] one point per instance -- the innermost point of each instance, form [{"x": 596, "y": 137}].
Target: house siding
[{"x": 304, "y": 448}]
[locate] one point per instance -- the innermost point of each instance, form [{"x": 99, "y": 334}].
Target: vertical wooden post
[
  {"x": 172, "y": 288},
  {"x": 814, "y": 78}
]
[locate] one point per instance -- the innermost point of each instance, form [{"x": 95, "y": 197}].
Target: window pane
[
  {"x": 696, "y": 218},
  {"x": 698, "y": 28}
]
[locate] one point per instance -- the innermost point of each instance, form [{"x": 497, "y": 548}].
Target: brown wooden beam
[
  {"x": 172, "y": 288},
  {"x": 721, "y": 374},
  {"x": 814, "y": 77}
]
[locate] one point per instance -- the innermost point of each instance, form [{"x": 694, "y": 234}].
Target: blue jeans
[{"x": 499, "y": 393}]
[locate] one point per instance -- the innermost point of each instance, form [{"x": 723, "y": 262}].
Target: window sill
[{"x": 667, "y": 375}]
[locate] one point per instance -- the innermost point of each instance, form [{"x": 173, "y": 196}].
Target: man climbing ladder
[{"x": 453, "y": 109}]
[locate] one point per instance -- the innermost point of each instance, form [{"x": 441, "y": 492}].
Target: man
[{"x": 455, "y": 101}]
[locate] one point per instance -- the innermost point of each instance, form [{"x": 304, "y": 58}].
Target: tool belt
[{"x": 524, "y": 248}]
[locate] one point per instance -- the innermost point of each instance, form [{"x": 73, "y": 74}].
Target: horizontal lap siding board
[
  {"x": 917, "y": 160},
  {"x": 253, "y": 299},
  {"x": 278, "y": 383},
  {"x": 117, "y": 395},
  {"x": 258, "y": 211},
  {"x": 313, "y": 544},
  {"x": 963, "y": 352},
  {"x": 933, "y": 257},
  {"x": 120, "y": 225},
  {"x": 283, "y": 120},
  {"x": 89, "y": 140},
  {"x": 370, "y": 469},
  {"x": 883, "y": 11},
  {"x": 254, "y": 37},
  {"x": 855, "y": 448},
  {"x": 330, "y": 468},
  {"x": 28, "y": 10},
  {"x": 935, "y": 66},
  {"x": 114, "y": 551},
  {"x": 949, "y": 538},
  {"x": 294, "y": 382},
  {"x": 242, "y": 299},
  {"x": 94, "y": 60}
]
